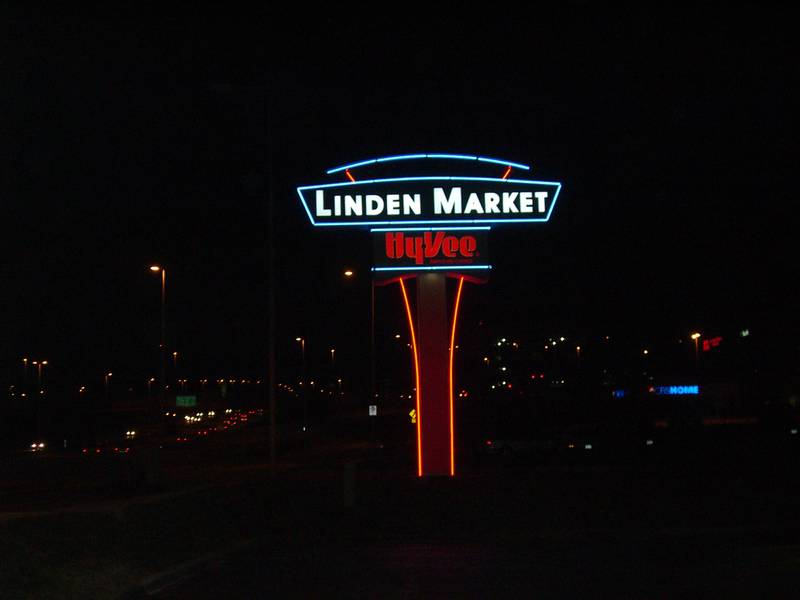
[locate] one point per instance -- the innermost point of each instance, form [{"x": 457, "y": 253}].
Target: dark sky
[{"x": 131, "y": 138}]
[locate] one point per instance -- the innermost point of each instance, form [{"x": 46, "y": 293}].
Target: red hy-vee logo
[{"x": 430, "y": 246}]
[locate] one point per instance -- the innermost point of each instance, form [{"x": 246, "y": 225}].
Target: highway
[{"x": 344, "y": 516}]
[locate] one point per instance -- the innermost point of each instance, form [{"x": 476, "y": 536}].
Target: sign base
[{"x": 433, "y": 341}]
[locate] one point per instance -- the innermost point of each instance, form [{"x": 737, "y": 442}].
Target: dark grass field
[{"x": 350, "y": 519}]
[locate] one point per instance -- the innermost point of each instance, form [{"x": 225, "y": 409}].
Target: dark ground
[
  {"x": 516, "y": 531},
  {"x": 502, "y": 528}
]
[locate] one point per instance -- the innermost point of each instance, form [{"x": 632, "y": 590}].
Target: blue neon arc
[
  {"x": 482, "y": 221},
  {"x": 362, "y": 163}
]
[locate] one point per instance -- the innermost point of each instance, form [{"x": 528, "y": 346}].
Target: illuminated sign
[
  {"x": 416, "y": 249},
  {"x": 428, "y": 226},
  {"x": 430, "y": 200},
  {"x": 712, "y": 343},
  {"x": 618, "y": 393},
  {"x": 676, "y": 390},
  {"x": 465, "y": 157},
  {"x": 186, "y": 401}
]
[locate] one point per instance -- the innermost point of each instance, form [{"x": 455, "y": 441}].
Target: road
[
  {"x": 193, "y": 454},
  {"x": 509, "y": 532},
  {"x": 502, "y": 528}
]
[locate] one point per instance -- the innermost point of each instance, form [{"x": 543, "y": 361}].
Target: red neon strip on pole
[
  {"x": 416, "y": 375},
  {"x": 452, "y": 351}
]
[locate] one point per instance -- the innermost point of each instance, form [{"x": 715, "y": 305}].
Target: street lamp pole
[
  {"x": 106, "y": 380},
  {"x": 303, "y": 380},
  {"x": 696, "y": 337},
  {"x": 163, "y": 346},
  {"x": 39, "y": 364},
  {"x": 371, "y": 341}
]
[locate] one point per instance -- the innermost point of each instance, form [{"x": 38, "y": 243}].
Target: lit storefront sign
[
  {"x": 429, "y": 200},
  {"x": 676, "y": 390},
  {"x": 425, "y": 250}
]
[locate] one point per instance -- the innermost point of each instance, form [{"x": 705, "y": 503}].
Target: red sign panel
[
  {"x": 711, "y": 343},
  {"x": 426, "y": 249}
]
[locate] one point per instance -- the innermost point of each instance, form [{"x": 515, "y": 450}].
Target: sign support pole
[
  {"x": 433, "y": 342},
  {"x": 433, "y": 346}
]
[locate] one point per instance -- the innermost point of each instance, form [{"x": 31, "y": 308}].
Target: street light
[
  {"x": 106, "y": 381},
  {"x": 305, "y": 390},
  {"x": 696, "y": 336},
  {"x": 25, "y": 370},
  {"x": 349, "y": 274},
  {"x": 372, "y": 341},
  {"x": 163, "y": 345},
  {"x": 39, "y": 364},
  {"x": 333, "y": 358}
]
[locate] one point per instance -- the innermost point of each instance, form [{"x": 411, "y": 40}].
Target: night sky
[{"x": 130, "y": 139}]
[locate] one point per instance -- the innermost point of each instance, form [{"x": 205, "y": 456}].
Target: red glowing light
[
  {"x": 507, "y": 173},
  {"x": 349, "y": 176},
  {"x": 452, "y": 348},
  {"x": 416, "y": 375}
]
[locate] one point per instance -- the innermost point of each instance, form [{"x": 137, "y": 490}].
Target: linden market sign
[
  {"x": 429, "y": 222},
  {"x": 429, "y": 200},
  {"x": 426, "y": 229}
]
